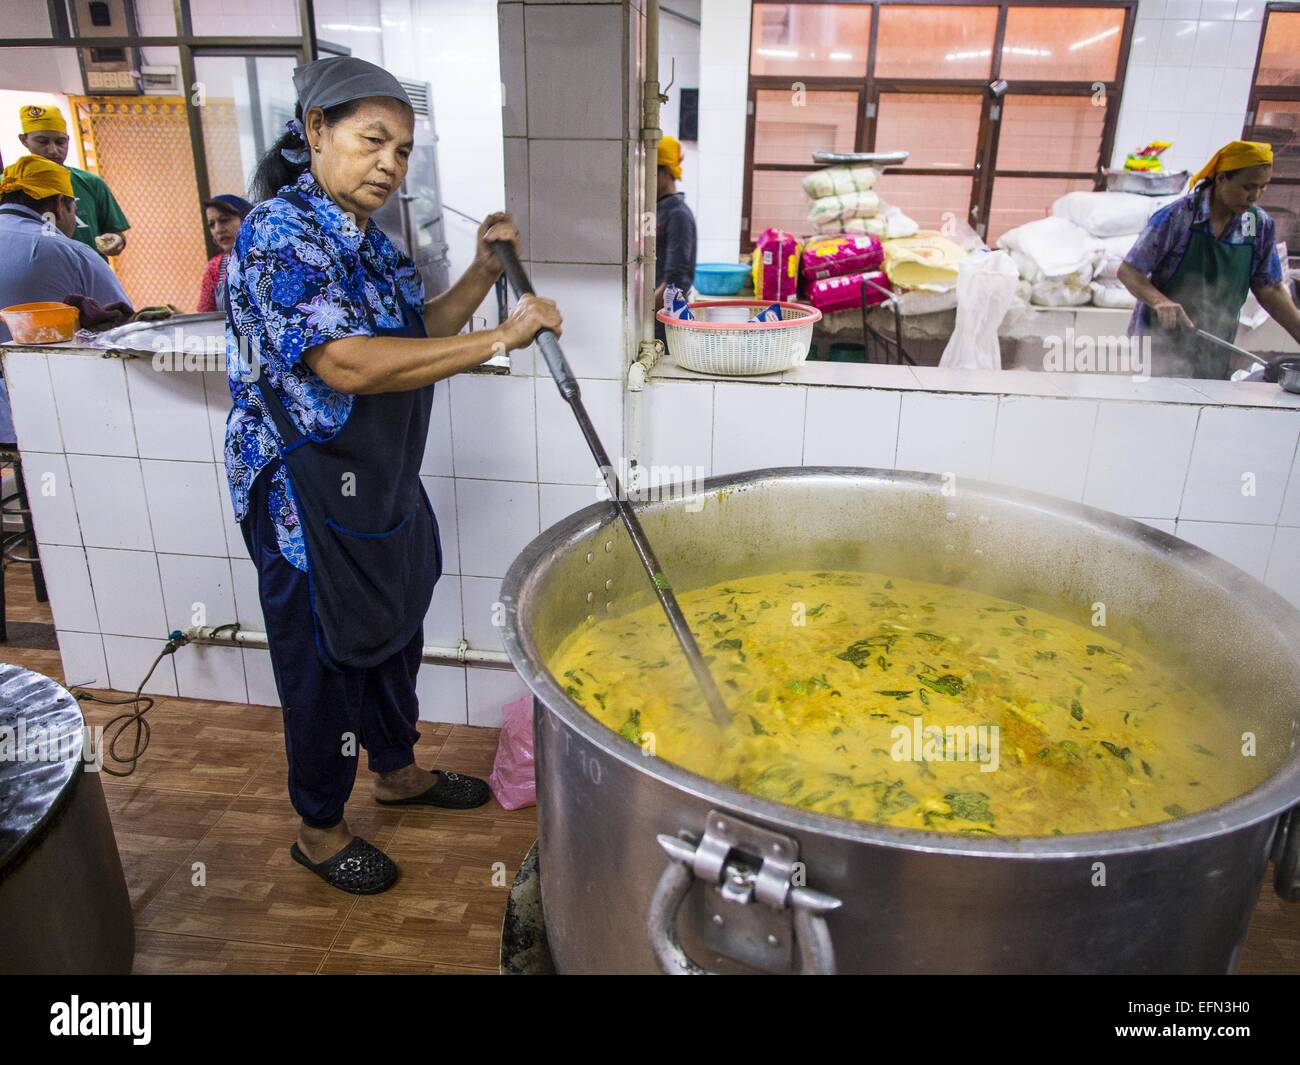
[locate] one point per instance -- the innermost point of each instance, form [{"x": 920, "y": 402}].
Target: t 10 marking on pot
[{"x": 588, "y": 762}]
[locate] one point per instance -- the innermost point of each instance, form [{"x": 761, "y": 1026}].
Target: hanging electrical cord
[{"x": 116, "y": 728}]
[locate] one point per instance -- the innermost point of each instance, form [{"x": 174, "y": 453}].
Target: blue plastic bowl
[{"x": 720, "y": 279}]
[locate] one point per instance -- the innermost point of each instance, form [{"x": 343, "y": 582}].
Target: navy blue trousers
[{"x": 329, "y": 714}]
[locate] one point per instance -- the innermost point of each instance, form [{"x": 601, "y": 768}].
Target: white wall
[
  {"x": 354, "y": 24},
  {"x": 1188, "y": 77},
  {"x": 10, "y": 127},
  {"x": 724, "y": 73},
  {"x": 40, "y": 69},
  {"x": 455, "y": 47},
  {"x": 679, "y": 62}
]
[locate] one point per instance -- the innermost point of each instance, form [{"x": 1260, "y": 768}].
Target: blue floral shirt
[
  {"x": 1160, "y": 249},
  {"x": 296, "y": 280}
]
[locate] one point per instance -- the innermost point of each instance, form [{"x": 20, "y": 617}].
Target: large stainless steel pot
[{"x": 646, "y": 866}]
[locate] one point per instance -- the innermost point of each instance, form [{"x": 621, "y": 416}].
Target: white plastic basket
[{"x": 722, "y": 341}]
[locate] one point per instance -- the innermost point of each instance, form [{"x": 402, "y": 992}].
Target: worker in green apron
[
  {"x": 101, "y": 225},
  {"x": 1200, "y": 257}
]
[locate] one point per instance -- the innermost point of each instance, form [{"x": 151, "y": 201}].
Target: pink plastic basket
[{"x": 722, "y": 341}]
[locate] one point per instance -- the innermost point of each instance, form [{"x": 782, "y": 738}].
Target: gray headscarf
[{"x": 342, "y": 79}]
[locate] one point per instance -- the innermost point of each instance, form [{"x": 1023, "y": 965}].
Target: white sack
[
  {"x": 1111, "y": 252},
  {"x": 986, "y": 290},
  {"x": 1053, "y": 292},
  {"x": 842, "y": 208},
  {"x": 915, "y": 301},
  {"x": 1113, "y": 295},
  {"x": 888, "y": 224},
  {"x": 838, "y": 180},
  {"x": 1106, "y": 214},
  {"x": 1049, "y": 247}
]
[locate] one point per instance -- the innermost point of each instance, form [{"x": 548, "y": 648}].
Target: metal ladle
[
  {"x": 1231, "y": 347},
  {"x": 568, "y": 385}
]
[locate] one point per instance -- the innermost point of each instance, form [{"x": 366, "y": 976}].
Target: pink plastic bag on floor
[{"x": 513, "y": 780}]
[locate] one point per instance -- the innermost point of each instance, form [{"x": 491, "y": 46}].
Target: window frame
[
  {"x": 1269, "y": 93},
  {"x": 983, "y": 171}
]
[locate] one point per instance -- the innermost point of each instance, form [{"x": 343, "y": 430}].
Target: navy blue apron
[{"x": 372, "y": 543}]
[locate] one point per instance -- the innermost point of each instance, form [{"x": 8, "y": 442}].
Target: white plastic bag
[
  {"x": 1106, "y": 214},
  {"x": 986, "y": 290},
  {"x": 1050, "y": 247}
]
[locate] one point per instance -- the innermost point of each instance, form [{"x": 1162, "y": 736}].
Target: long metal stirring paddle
[
  {"x": 1230, "y": 346},
  {"x": 568, "y": 385}
]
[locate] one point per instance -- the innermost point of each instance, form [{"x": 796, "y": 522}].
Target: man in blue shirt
[{"x": 39, "y": 262}]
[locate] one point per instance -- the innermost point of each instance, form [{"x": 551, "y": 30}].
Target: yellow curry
[{"x": 910, "y": 704}]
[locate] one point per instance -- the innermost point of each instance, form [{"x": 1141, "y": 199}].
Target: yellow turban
[
  {"x": 1234, "y": 156},
  {"x": 670, "y": 155},
  {"x": 35, "y": 117},
  {"x": 37, "y": 177}
]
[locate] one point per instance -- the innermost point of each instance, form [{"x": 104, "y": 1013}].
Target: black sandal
[
  {"x": 360, "y": 868},
  {"x": 453, "y": 791}
]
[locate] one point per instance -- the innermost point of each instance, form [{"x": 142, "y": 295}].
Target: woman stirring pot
[
  {"x": 1200, "y": 257},
  {"x": 332, "y": 357}
]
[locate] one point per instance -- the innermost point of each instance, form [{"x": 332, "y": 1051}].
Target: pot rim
[{"x": 1270, "y": 797}]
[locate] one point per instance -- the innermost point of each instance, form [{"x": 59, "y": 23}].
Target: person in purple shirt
[{"x": 1198, "y": 259}]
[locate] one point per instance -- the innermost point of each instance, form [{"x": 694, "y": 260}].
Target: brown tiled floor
[{"x": 204, "y": 825}]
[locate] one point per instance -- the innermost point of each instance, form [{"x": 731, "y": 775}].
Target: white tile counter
[
  {"x": 1214, "y": 462},
  {"x": 131, "y": 511}
]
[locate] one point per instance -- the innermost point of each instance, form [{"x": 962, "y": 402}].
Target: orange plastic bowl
[{"x": 41, "y": 323}]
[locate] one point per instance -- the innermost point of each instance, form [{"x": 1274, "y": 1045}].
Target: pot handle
[
  {"x": 812, "y": 937},
  {"x": 1286, "y": 856}
]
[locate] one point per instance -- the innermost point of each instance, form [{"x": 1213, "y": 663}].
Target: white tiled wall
[
  {"x": 1188, "y": 78},
  {"x": 724, "y": 71},
  {"x": 1225, "y": 478}
]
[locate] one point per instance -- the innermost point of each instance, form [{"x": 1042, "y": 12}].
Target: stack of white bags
[
  {"x": 1073, "y": 256},
  {"x": 843, "y": 202}
]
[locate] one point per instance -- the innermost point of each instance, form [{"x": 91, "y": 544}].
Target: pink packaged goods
[
  {"x": 776, "y": 265},
  {"x": 836, "y": 256},
  {"x": 845, "y": 292}
]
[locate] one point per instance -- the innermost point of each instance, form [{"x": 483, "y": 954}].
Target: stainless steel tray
[
  {"x": 1146, "y": 182},
  {"x": 168, "y": 334},
  {"x": 871, "y": 158}
]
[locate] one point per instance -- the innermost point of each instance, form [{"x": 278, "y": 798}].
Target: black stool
[{"x": 11, "y": 542}]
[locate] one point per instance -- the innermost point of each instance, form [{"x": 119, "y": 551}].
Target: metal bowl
[
  {"x": 648, "y": 867},
  {"x": 1288, "y": 374}
]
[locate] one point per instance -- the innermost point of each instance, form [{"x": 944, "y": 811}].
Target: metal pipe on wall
[
  {"x": 647, "y": 348},
  {"x": 462, "y": 655},
  {"x": 650, "y": 134}
]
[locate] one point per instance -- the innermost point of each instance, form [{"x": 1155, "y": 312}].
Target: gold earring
[{"x": 315, "y": 147}]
